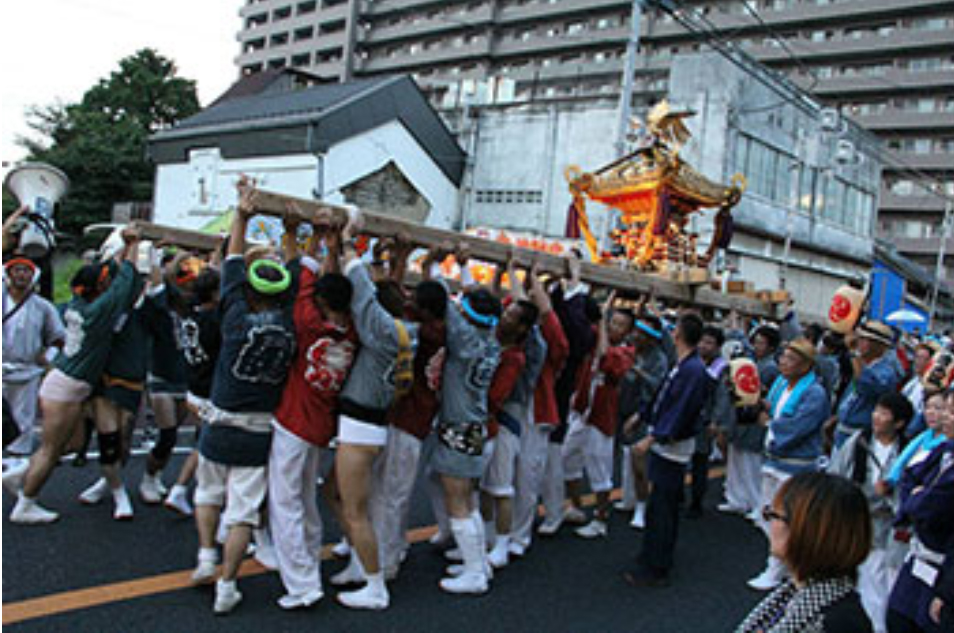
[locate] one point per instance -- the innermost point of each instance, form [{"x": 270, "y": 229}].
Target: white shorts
[
  {"x": 58, "y": 387},
  {"x": 241, "y": 489},
  {"x": 351, "y": 431},
  {"x": 586, "y": 448},
  {"x": 501, "y": 472}
]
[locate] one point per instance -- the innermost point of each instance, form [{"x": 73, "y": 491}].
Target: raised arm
[
  {"x": 9, "y": 241},
  {"x": 244, "y": 210},
  {"x": 290, "y": 222},
  {"x": 400, "y": 251}
]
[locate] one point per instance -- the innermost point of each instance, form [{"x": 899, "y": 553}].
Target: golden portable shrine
[{"x": 656, "y": 192}]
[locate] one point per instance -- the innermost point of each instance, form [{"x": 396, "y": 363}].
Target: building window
[
  {"x": 331, "y": 27},
  {"x": 301, "y": 60},
  {"x": 305, "y": 33},
  {"x": 256, "y": 20},
  {"x": 508, "y": 196},
  {"x": 306, "y": 7},
  {"x": 255, "y": 45},
  {"x": 278, "y": 62},
  {"x": 281, "y": 14},
  {"x": 278, "y": 39},
  {"x": 328, "y": 56}
]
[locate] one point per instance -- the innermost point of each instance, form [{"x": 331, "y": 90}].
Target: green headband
[{"x": 264, "y": 286}]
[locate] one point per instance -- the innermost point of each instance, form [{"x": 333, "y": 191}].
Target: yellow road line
[{"x": 76, "y": 599}]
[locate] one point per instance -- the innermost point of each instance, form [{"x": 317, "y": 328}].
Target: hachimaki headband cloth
[
  {"x": 486, "y": 320},
  {"x": 266, "y": 286}
]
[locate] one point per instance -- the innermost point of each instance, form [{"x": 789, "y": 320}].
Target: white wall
[
  {"x": 190, "y": 195},
  {"x": 527, "y": 150}
]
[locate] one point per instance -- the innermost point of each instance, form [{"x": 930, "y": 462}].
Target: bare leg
[
  {"x": 59, "y": 423},
  {"x": 187, "y": 472},
  {"x": 504, "y": 521},
  {"x": 353, "y": 464},
  {"x": 206, "y": 524},
  {"x": 574, "y": 492},
  {"x": 457, "y": 496},
  {"x": 603, "y": 505},
  {"x": 234, "y": 551}
]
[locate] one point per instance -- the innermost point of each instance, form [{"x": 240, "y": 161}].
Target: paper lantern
[
  {"x": 845, "y": 310},
  {"x": 745, "y": 381}
]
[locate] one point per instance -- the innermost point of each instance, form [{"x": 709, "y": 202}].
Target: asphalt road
[{"x": 564, "y": 584}]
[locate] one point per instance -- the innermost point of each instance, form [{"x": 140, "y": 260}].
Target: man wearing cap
[
  {"x": 31, "y": 325},
  {"x": 874, "y": 372},
  {"x": 795, "y": 413}
]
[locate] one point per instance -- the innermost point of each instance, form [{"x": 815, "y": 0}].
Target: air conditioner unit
[
  {"x": 845, "y": 152},
  {"x": 830, "y": 120}
]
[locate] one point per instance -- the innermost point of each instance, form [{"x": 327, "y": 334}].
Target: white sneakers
[
  {"x": 14, "y": 471},
  {"x": 123, "y": 509},
  {"x": 499, "y": 555},
  {"x": 178, "y": 500},
  {"x": 95, "y": 493},
  {"x": 341, "y": 548},
  {"x": 550, "y": 527},
  {"x": 373, "y": 596},
  {"x": 474, "y": 578},
  {"x": 227, "y": 596},
  {"x": 152, "y": 490},
  {"x": 574, "y": 516},
  {"x": 594, "y": 529},
  {"x": 290, "y": 601},
  {"x": 466, "y": 583},
  {"x": 770, "y": 578},
  {"x": 350, "y": 575},
  {"x": 639, "y": 516},
  {"x": 28, "y": 512},
  {"x": 205, "y": 569},
  {"x": 517, "y": 547}
]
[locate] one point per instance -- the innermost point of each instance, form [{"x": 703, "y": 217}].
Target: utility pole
[
  {"x": 939, "y": 267},
  {"x": 626, "y": 92}
]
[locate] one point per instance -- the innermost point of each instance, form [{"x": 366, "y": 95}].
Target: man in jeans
[{"x": 673, "y": 420}]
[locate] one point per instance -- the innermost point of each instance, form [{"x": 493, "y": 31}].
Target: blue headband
[
  {"x": 487, "y": 320},
  {"x": 656, "y": 334}
]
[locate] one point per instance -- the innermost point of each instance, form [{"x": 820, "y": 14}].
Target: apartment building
[{"x": 889, "y": 64}]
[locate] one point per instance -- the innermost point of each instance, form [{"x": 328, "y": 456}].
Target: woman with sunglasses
[{"x": 820, "y": 527}]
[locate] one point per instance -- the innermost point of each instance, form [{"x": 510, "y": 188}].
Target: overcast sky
[{"x": 55, "y": 49}]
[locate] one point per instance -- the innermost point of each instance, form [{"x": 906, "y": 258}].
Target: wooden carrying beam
[
  {"x": 624, "y": 280},
  {"x": 191, "y": 240}
]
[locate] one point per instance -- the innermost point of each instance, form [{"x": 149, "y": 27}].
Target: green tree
[{"x": 100, "y": 142}]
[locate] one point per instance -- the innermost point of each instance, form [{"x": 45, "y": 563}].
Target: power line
[{"x": 786, "y": 89}]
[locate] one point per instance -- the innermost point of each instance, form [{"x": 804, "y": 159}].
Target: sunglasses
[{"x": 769, "y": 515}]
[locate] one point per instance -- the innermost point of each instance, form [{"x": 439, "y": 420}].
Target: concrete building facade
[
  {"x": 887, "y": 64},
  {"x": 796, "y": 187}
]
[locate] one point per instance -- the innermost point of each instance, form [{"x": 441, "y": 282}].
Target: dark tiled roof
[
  {"x": 270, "y": 116},
  {"x": 275, "y": 105}
]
